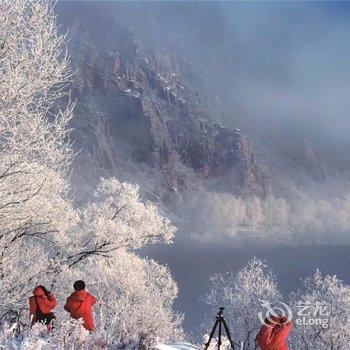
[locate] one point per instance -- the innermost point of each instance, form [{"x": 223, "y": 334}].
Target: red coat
[
  {"x": 79, "y": 305},
  {"x": 46, "y": 303},
  {"x": 274, "y": 337}
]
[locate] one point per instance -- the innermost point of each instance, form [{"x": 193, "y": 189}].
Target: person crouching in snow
[
  {"x": 41, "y": 305},
  {"x": 274, "y": 334},
  {"x": 79, "y": 304}
]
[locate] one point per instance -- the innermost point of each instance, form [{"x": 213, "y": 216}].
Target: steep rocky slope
[{"x": 132, "y": 107}]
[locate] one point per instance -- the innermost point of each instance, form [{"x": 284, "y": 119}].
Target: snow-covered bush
[
  {"x": 241, "y": 293},
  {"x": 67, "y": 334},
  {"x": 328, "y": 300},
  {"x": 225, "y": 343},
  {"x": 136, "y": 300}
]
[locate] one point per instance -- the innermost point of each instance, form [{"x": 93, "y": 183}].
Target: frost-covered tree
[
  {"x": 322, "y": 314},
  {"x": 117, "y": 219},
  {"x": 34, "y": 151},
  {"x": 43, "y": 239},
  {"x": 241, "y": 293},
  {"x": 34, "y": 77},
  {"x": 136, "y": 295},
  {"x": 136, "y": 300}
]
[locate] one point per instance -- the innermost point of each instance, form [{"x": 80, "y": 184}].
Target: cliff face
[{"x": 130, "y": 102}]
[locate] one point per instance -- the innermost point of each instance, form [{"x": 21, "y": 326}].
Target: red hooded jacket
[
  {"x": 274, "y": 337},
  {"x": 79, "y": 305},
  {"x": 46, "y": 303}
]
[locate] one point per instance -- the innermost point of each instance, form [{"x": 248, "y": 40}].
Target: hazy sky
[
  {"x": 291, "y": 63},
  {"x": 275, "y": 64},
  {"x": 267, "y": 67}
]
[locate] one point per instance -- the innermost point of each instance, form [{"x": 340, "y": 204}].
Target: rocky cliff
[{"x": 130, "y": 104}]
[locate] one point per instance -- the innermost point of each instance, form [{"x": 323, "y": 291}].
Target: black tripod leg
[
  {"x": 219, "y": 337},
  {"x": 211, "y": 334},
  {"x": 228, "y": 334}
]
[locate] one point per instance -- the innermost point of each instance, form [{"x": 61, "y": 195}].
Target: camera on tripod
[
  {"x": 221, "y": 311},
  {"x": 221, "y": 324}
]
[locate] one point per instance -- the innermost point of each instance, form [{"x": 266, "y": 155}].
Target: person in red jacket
[
  {"x": 273, "y": 335},
  {"x": 41, "y": 305},
  {"x": 79, "y": 304}
]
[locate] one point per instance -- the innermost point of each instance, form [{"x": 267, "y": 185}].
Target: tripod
[{"x": 220, "y": 321}]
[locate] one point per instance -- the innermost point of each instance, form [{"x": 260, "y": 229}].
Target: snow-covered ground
[{"x": 176, "y": 346}]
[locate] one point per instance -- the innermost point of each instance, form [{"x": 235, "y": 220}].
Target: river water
[{"x": 191, "y": 264}]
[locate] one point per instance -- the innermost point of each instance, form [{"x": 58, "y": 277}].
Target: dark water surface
[{"x": 192, "y": 263}]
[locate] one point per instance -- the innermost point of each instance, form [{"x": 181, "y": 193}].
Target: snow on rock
[{"x": 147, "y": 111}]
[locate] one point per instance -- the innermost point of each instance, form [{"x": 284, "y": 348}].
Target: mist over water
[{"x": 254, "y": 221}]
